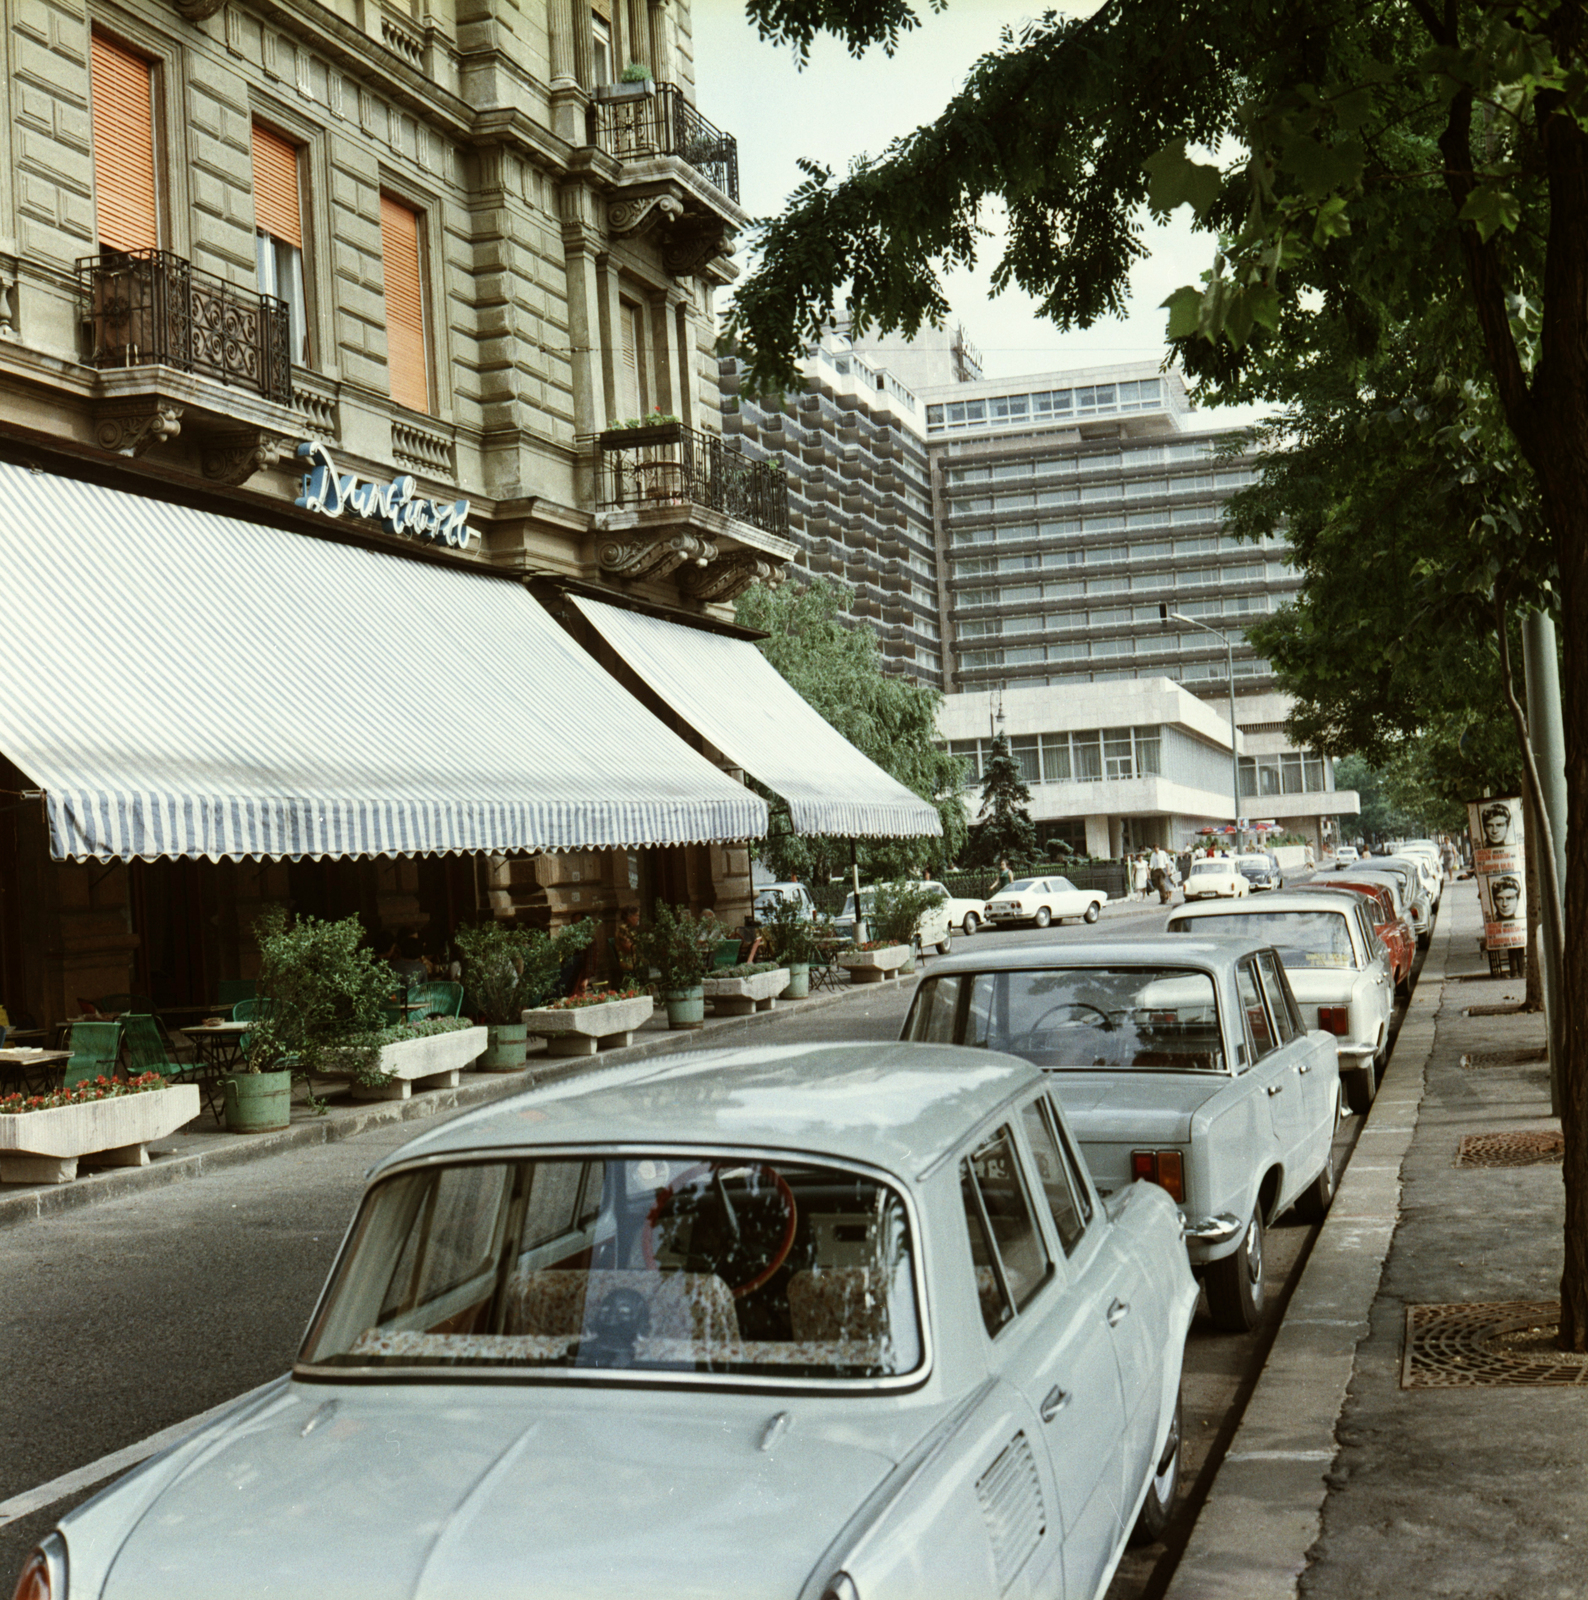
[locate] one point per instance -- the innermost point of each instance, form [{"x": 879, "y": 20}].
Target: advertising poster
[{"x": 1497, "y": 843}]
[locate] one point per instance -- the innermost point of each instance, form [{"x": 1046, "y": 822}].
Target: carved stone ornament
[
  {"x": 634, "y": 216},
  {"x": 235, "y": 458},
  {"x": 655, "y": 558},
  {"x": 727, "y": 579},
  {"x": 687, "y": 250},
  {"x": 132, "y": 429},
  {"x": 198, "y": 10}
]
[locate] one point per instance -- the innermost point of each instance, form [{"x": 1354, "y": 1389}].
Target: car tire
[
  {"x": 945, "y": 943},
  {"x": 1043, "y": 917},
  {"x": 1312, "y": 1204},
  {"x": 1093, "y": 912},
  {"x": 1237, "y": 1286},
  {"x": 972, "y": 923},
  {"x": 1361, "y": 1086},
  {"x": 1158, "y": 1508}
]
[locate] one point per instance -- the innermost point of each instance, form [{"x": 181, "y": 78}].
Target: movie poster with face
[{"x": 1496, "y": 829}]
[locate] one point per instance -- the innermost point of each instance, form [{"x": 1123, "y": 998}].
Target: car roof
[
  {"x": 897, "y": 1106},
  {"x": 1280, "y": 900},
  {"x": 1176, "y": 949}
]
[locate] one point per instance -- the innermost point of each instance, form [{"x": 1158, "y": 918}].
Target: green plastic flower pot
[
  {"x": 504, "y": 1048},
  {"x": 257, "y": 1102},
  {"x": 799, "y": 981},
  {"x": 686, "y": 1008}
]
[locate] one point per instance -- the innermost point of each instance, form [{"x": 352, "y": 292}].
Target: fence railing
[
  {"x": 149, "y": 307},
  {"x": 666, "y": 124},
  {"x": 669, "y": 464}
]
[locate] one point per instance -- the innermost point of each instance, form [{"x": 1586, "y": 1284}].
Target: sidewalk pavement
[{"x": 1343, "y": 1484}]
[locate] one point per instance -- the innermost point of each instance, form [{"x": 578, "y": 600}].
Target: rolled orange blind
[
  {"x": 277, "y": 210},
  {"x": 125, "y": 212},
  {"x": 405, "y": 306}
]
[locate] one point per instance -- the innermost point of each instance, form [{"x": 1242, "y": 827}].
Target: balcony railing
[
  {"x": 671, "y": 465},
  {"x": 149, "y": 307},
  {"x": 666, "y": 124}
]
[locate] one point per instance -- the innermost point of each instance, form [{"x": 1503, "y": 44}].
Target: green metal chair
[
  {"x": 727, "y": 954},
  {"x": 259, "y": 1009},
  {"x": 96, "y": 1052},
  {"x": 147, "y": 1052},
  {"x": 438, "y": 998}
]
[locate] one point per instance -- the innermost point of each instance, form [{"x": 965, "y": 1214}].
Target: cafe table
[
  {"x": 219, "y": 1044},
  {"x": 33, "y": 1071}
]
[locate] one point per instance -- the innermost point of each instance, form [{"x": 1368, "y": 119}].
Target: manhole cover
[
  {"x": 1531, "y": 1056},
  {"x": 1523, "y": 1149},
  {"x": 1511, "y": 1342}
]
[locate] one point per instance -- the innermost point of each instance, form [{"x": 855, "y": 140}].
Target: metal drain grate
[
  {"x": 1506, "y": 1344},
  {"x": 1527, "y": 1148},
  {"x": 1532, "y": 1055},
  {"x": 1495, "y": 1011}
]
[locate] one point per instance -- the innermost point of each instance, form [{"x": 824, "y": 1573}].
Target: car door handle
[
  {"x": 1276, "y": 1088},
  {"x": 1053, "y": 1403},
  {"x": 1303, "y": 1069},
  {"x": 1118, "y": 1312}
]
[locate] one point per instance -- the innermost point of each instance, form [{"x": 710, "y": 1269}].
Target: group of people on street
[{"x": 1151, "y": 872}]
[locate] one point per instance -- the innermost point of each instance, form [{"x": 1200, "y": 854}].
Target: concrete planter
[
  {"x": 45, "y": 1146},
  {"x": 626, "y": 91},
  {"x": 738, "y": 997},
  {"x": 872, "y": 966},
  {"x": 433, "y": 1061},
  {"x": 583, "y": 1030}
]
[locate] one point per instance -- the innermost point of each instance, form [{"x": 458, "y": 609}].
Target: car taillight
[
  {"x": 1163, "y": 1167},
  {"x": 34, "y": 1584},
  {"x": 1334, "y": 1019}
]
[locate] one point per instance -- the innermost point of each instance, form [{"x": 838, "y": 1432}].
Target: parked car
[
  {"x": 783, "y": 1321},
  {"x": 964, "y": 913},
  {"x": 770, "y": 894},
  {"x": 1041, "y": 901},
  {"x": 1184, "y": 1062},
  {"x": 932, "y": 929},
  {"x": 1388, "y": 922},
  {"x": 1336, "y": 965},
  {"x": 1429, "y": 869},
  {"x": 1345, "y": 852},
  {"x": 1261, "y": 870},
  {"x": 1415, "y": 898},
  {"x": 1215, "y": 878}
]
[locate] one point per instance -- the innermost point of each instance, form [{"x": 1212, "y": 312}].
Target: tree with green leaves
[
  {"x": 1003, "y": 826},
  {"x": 1372, "y": 161},
  {"x": 838, "y": 671}
]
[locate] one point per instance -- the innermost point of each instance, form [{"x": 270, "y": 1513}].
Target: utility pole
[
  {"x": 1545, "y": 734},
  {"x": 1166, "y": 616}
]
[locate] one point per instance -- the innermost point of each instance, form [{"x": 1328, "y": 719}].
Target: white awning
[
  {"x": 730, "y": 694},
  {"x": 186, "y": 684}
]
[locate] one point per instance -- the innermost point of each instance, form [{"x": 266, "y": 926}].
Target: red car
[{"x": 1390, "y": 925}]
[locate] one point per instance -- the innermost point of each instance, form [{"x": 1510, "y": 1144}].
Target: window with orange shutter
[
  {"x": 408, "y": 367},
  {"x": 278, "y": 235},
  {"x": 126, "y": 209}
]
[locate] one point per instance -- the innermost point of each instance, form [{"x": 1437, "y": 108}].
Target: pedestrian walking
[
  {"x": 1139, "y": 878},
  {"x": 1158, "y": 871},
  {"x": 1005, "y": 876}
]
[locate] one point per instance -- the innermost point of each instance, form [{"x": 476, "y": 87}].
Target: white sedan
[
  {"x": 1215, "y": 878},
  {"x": 1044, "y": 900},
  {"x": 964, "y": 914}
]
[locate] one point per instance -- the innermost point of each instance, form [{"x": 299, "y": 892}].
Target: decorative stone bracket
[
  {"x": 655, "y": 558},
  {"x": 235, "y": 457},
  {"x": 728, "y": 578},
  {"x": 690, "y": 240},
  {"x": 197, "y": 10},
  {"x": 634, "y": 216},
  {"x": 132, "y": 428}
]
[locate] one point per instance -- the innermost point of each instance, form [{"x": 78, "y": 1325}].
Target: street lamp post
[{"x": 1166, "y": 616}]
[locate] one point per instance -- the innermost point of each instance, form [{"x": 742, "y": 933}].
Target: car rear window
[
  {"x": 1303, "y": 938},
  {"x": 1153, "y": 1018},
  {"x": 699, "y": 1263}
]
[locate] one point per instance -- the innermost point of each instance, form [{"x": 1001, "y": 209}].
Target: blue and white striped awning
[
  {"x": 186, "y": 684},
  {"x": 731, "y": 695}
]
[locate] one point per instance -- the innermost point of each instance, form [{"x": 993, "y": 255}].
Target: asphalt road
[{"x": 122, "y": 1319}]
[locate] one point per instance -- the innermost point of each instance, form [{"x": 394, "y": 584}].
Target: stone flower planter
[
  {"x": 433, "y": 1061},
  {"x": 45, "y": 1146},
  {"x": 583, "y": 1030},
  {"x": 738, "y": 997},
  {"x": 872, "y": 966}
]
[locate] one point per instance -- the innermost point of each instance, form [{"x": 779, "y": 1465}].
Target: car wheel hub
[{"x": 1254, "y": 1253}]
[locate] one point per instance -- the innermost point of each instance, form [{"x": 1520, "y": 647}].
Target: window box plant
[
  {"x": 104, "y": 1123},
  {"x": 635, "y": 83},
  {"x": 737, "y": 991},
  {"x": 638, "y": 433},
  {"x": 584, "y": 1024},
  {"x": 509, "y": 970},
  {"x": 680, "y": 945}
]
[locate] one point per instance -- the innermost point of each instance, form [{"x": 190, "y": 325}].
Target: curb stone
[
  {"x": 1265, "y": 1507},
  {"x": 346, "y": 1121}
]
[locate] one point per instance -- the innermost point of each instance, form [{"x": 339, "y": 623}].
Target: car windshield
[
  {"x": 696, "y": 1263},
  {"x": 1209, "y": 864},
  {"x": 1156, "y": 1019},
  {"x": 1303, "y": 938}
]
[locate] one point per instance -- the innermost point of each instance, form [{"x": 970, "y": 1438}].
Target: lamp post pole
[{"x": 1167, "y": 616}]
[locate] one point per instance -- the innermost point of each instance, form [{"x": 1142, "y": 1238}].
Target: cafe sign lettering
[{"x": 393, "y": 505}]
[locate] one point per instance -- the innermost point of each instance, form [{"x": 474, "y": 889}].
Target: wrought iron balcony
[
  {"x": 671, "y": 465},
  {"x": 149, "y": 307},
  {"x": 666, "y": 124}
]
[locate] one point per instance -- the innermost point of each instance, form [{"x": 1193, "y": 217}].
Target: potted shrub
[
  {"x": 634, "y": 83},
  {"x": 796, "y": 941},
  {"x": 894, "y": 919},
  {"x": 679, "y": 945},
  {"x": 638, "y": 433},
  {"x": 508, "y": 970}
]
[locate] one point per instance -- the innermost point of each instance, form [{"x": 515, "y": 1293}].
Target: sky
[{"x": 838, "y": 108}]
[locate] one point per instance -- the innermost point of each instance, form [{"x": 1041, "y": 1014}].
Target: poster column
[{"x": 1496, "y": 828}]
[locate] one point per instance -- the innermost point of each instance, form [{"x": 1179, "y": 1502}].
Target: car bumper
[
  {"x": 1210, "y": 1239},
  {"x": 1354, "y": 1057}
]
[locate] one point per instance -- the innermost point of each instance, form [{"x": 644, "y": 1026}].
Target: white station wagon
[
  {"x": 845, "y": 1321},
  {"x": 1184, "y": 1062}
]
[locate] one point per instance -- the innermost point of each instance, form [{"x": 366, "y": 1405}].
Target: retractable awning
[
  {"x": 181, "y": 683},
  {"x": 730, "y": 694}
]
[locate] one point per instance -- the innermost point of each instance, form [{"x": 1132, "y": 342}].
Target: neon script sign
[{"x": 393, "y": 505}]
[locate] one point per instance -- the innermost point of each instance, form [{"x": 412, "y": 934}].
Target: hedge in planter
[
  {"x": 431, "y": 1053},
  {"x": 680, "y": 945},
  {"x": 508, "y": 970}
]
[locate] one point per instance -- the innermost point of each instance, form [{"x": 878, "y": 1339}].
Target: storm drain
[
  {"x": 1533, "y": 1055},
  {"x": 1523, "y": 1149},
  {"x": 1510, "y": 1343},
  {"x": 1496, "y": 1011}
]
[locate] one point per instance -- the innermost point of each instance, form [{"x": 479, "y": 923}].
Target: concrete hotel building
[{"x": 371, "y": 524}]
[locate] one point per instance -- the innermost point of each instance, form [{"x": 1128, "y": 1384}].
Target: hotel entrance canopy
[
  {"x": 181, "y": 683},
  {"x": 730, "y": 694}
]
